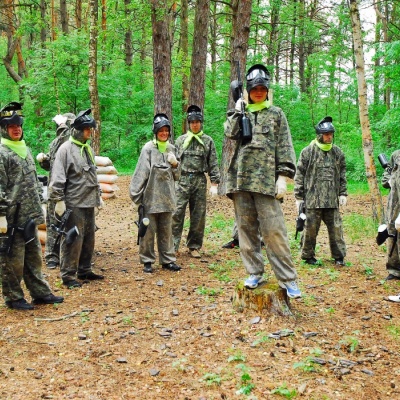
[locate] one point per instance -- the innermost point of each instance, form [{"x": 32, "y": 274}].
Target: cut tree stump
[{"x": 268, "y": 298}]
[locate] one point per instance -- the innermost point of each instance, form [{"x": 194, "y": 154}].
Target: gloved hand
[
  {"x": 172, "y": 159},
  {"x": 60, "y": 208},
  {"x": 3, "y": 224},
  {"x": 280, "y": 187},
  {"x": 342, "y": 201},
  {"x": 397, "y": 223},
  {"x": 59, "y": 119},
  {"x": 298, "y": 202},
  {"x": 42, "y": 157},
  {"x": 44, "y": 209},
  {"x": 390, "y": 182},
  {"x": 213, "y": 190},
  {"x": 238, "y": 105}
]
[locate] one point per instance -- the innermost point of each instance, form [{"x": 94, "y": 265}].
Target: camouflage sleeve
[
  {"x": 58, "y": 176},
  {"x": 300, "y": 174},
  {"x": 140, "y": 176},
  {"x": 3, "y": 186},
  {"x": 343, "y": 180},
  {"x": 285, "y": 155},
  {"x": 176, "y": 172},
  {"x": 212, "y": 163},
  {"x": 386, "y": 174},
  {"x": 232, "y": 126}
]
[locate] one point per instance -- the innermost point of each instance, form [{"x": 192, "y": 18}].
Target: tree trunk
[
  {"x": 267, "y": 298},
  {"x": 43, "y": 31},
  {"x": 367, "y": 143},
  {"x": 184, "y": 57},
  {"x": 199, "y": 54},
  {"x": 93, "y": 89},
  {"x": 128, "y": 35},
  {"x": 64, "y": 16},
  {"x": 160, "y": 20},
  {"x": 78, "y": 14},
  {"x": 241, "y": 31},
  {"x": 213, "y": 46}
]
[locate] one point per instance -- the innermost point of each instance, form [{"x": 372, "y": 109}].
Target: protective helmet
[
  {"x": 11, "y": 114},
  {"x": 194, "y": 114},
  {"x": 159, "y": 121},
  {"x": 257, "y": 75},
  {"x": 325, "y": 126},
  {"x": 83, "y": 120}
]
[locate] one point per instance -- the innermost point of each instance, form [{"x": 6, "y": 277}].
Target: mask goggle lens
[
  {"x": 157, "y": 120},
  {"x": 326, "y": 126},
  {"x": 253, "y": 74},
  {"x": 4, "y": 114}
]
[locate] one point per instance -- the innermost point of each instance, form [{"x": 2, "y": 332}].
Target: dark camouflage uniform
[
  {"x": 392, "y": 212},
  {"x": 19, "y": 183},
  {"x": 74, "y": 180},
  {"x": 320, "y": 180},
  {"x": 251, "y": 178},
  {"x": 196, "y": 160},
  {"x": 153, "y": 186},
  {"x": 51, "y": 254}
]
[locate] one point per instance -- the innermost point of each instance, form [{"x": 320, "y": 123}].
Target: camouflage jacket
[
  {"x": 74, "y": 178},
  {"x": 393, "y": 206},
  {"x": 198, "y": 158},
  {"x": 394, "y": 160},
  {"x": 321, "y": 177},
  {"x": 153, "y": 182},
  {"x": 19, "y": 184},
  {"x": 256, "y": 165}
]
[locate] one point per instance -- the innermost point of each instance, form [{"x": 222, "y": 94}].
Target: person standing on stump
[
  {"x": 198, "y": 156},
  {"x": 74, "y": 186},
  {"x": 256, "y": 181},
  {"x": 20, "y": 214},
  {"x": 321, "y": 183},
  {"x": 153, "y": 188}
]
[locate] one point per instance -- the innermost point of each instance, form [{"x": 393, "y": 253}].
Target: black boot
[
  {"x": 49, "y": 299},
  {"x": 232, "y": 244},
  {"x": 90, "y": 276},
  {"x": 72, "y": 283},
  {"x": 148, "y": 268},
  {"x": 20, "y": 304},
  {"x": 172, "y": 267}
]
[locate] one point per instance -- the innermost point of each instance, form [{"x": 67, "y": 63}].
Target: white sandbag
[
  {"x": 106, "y": 196},
  {"x": 42, "y": 236},
  {"x": 104, "y": 178},
  {"x": 102, "y": 161},
  {"x": 108, "y": 187},
  {"x": 110, "y": 169}
]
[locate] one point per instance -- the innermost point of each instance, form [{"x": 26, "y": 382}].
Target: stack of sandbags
[
  {"x": 107, "y": 177},
  {"x": 42, "y": 227}
]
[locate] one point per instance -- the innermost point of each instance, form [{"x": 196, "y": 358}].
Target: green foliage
[
  {"x": 358, "y": 227},
  {"x": 284, "y": 391},
  {"x": 211, "y": 378}
]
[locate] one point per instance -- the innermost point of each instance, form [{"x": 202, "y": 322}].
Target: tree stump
[{"x": 268, "y": 297}]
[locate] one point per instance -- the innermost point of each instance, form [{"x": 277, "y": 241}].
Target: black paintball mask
[
  {"x": 257, "y": 75},
  {"x": 82, "y": 120},
  {"x": 324, "y": 126},
  {"x": 10, "y": 114},
  {"x": 194, "y": 114},
  {"x": 159, "y": 121}
]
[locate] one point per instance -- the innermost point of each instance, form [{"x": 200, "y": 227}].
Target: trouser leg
[
  {"x": 311, "y": 229},
  {"x": 182, "y": 191},
  {"x": 51, "y": 254},
  {"x": 146, "y": 244},
  {"x": 333, "y": 222},
  {"x": 165, "y": 243}
]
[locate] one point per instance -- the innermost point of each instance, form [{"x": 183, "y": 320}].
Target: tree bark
[
  {"x": 93, "y": 88},
  {"x": 128, "y": 35},
  {"x": 64, "y": 16},
  {"x": 367, "y": 143},
  {"x": 184, "y": 49}
]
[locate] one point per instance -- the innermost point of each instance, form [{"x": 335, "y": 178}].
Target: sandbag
[
  {"x": 104, "y": 178},
  {"x": 108, "y": 187},
  {"x": 106, "y": 196},
  {"x": 110, "y": 169},
  {"x": 102, "y": 161},
  {"x": 42, "y": 236}
]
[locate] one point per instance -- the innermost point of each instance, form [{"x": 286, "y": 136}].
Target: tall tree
[
  {"x": 184, "y": 49},
  {"x": 367, "y": 143},
  {"x": 64, "y": 16},
  {"x": 93, "y": 88}
]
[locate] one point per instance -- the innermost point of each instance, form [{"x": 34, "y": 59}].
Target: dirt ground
[{"x": 176, "y": 336}]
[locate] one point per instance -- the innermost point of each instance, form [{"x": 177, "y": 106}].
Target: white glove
[
  {"x": 59, "y": 119},
  {"x": 238, "y": 105},
  {"x": 280, "y": 187},
  {"x": 42, "y": 157},
  {"x": 214, "y": 190},
  {"x": 298, "y": 202},
  {"x": 101, "y": 204},
  {"x": 60, "y": 208},
  {"x": 172, "y": 159},
  {"x": 342, "y": 200},
  {"x": 397, "y": 223},
  {"x": 3, "y": 224},
  {"x": 390, "y": 182}
]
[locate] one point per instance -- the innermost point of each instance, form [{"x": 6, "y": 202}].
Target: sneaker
[
  {"x": 232, "y": 244},
  {"x": 194, "y": 253},
  {"x": 52, "y": 264},
  {"x": 390, "y": 277},
  {"x": 396, "y": 299},
  {"x": 339, "y": 261},
  {"x": 172, "y": 267},
  {"x": 148, "y": 268},
  {"x": 292, "y": 289},
  {"x": 311, "y": 261},
  {"x": 252, "y": 281},
  {"x": 49, "y": 299},
  {"x": 20, "y": 304},
  {"x": 90, "y": 276},
  {"x": 72, "y": 283}
]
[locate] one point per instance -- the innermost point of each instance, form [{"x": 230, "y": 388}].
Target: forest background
[{"x": 65, "y": 56}]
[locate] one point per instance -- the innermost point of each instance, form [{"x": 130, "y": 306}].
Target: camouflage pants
[
  {"x": 254, "y": 213},
  {"x": 192, "y": 189},
  {"x": 393, "y": 262},
  {"x": 51, "y": 254},
  {"x": 160, "y": 226},
  {"x": 25, "y": 262},
  {"x": 76, "y": 257},
  {"x": 333, "y": 221}
]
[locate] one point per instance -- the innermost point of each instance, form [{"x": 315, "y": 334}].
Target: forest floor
[{"x": 176, "y": 335}]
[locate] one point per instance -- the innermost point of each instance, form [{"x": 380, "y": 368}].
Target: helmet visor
[
  {"x": 4, "y": 114},
  {"x": 326, "y": 127},
  {"x": 256, "y": 72}
]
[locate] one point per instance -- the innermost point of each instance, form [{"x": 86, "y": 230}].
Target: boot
[
  {"x": 49, "y": 299},
  {"x": 148, "y": 268},
  {"x": 20, "y": 304},
  {"x": 90, "y": 276}
]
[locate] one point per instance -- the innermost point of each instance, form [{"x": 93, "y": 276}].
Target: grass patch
[{"x": 357, "y": 227}]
